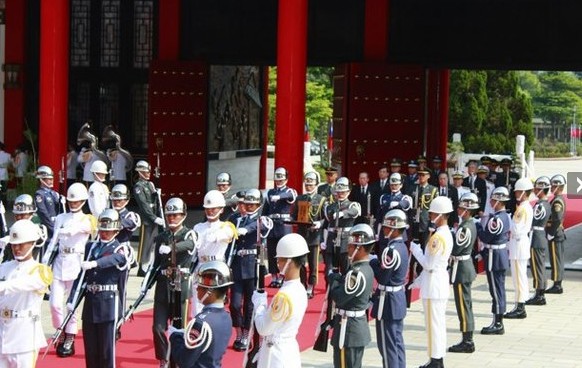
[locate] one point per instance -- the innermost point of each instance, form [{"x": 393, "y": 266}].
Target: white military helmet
[
  {"x": 543, "y": 182},
  {"x": 523, "y": 184},
  {"x": 500, "y": 194},
  {"x": 119, "y": 192},
  {"x": 362, "y": 234},
  {"x": 395, "y": 178},
  {"x": 558, "y": 180},
  {"x": 24, "y": 231},
  {"x": 214, "y": 275},
  {"x": 291, "y": 246},
  {"x": 214, "y": 199},
  {"x": 99, "y": 167},
  {"x": 342, "y": 185},
  {"x": 441, "y": 205},
  {"x": 109, "y": 220},
  {"x": 469, "y": 201},
  {"x": 142, "y": 166},
  {"x": 175, "y": 205},
  {"x": 311, "y": 178},
  {"x": 77, "y": 192},
  {"x": 223, "y": 178},
  {"x": 395, "y": 219},
  {"x": 23, "y": 204},
  {"x": 44, "y": 172},
  {"x": 280, "y": 174}
]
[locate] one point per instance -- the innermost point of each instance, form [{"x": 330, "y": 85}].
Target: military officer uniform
[
  {"x": 184, "y": 240},
  {"x": 507, "y": 179},
  {"x": 130, "y": 221},
  {"x": 422, "y": 196},
  {"x": 351, "y": 333},
  {"x": 389, "y": 300},
  {"x": 147, "y": 201},
  {"x": 478, "y": 186},
  {"x": 339, "y": 219},
  {"x": 539, "y": 243},
  {"x": 48, "y": 207},
  {"x": 390, "y": 201},
  {"x": 326, "y": 189},
  {"x": 556, "y": 236},
  {"x": 102, "y": 304}
]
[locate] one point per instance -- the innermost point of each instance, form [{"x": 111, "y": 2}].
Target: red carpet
[{"x": 573, "y": 212}]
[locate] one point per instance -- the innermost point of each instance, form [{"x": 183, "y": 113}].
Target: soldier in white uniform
[
  {"x": 98, "y": 191},
  {"x": 519, "y": 246},
  {"x": 214, "y": 236},
  {"x": 434, "y": 279},
  {"x": 458, "y": 183},
  {"x": 279, "y": 322},
  {"x": 23, "y": 282},
  {"x": 86, "y": 157},
  {"x": 72, "y": 231}
]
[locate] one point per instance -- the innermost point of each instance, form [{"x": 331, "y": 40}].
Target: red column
[
  {"x": 444, "y": 87},
  {"x": 54, "y": 82},
  {"x": 291, "y": 72},
  {"x": 169, "y": 30}
]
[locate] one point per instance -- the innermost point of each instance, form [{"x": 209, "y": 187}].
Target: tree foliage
[
  {"x": 559, "y": 95},
  {"x": 489, "y": 109}
]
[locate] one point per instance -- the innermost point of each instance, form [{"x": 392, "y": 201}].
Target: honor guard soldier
[
  {"x": 244, "y": 269},
  {"x": 395, "y": 199},
  {"x": 98, "y": 191},
  {"x": 103, "y": 273},
  {"x": 223, "y": 183},
  {"x": 351, "y": 294},
  {"x": 519, "y": 246},
  {"x": 463, "y": 271},
  {"x": 214, "y": 237},
  {"x": 494, "y": 235},
  {"x": 476, "y": 185},
  {"x": 326, "y": 189},
  {"x": 72, "y": 231},
  {"x": 434, "y": 279},
  {"x": 395, "y": 167},
  {"x": 148, "y": 203},
  {"x": 130, "y": 221},
  {"x": 205, "y": 338},
  {"x": 339, "y": 219},
  {"x": 458, "y": 184},
  {"x": 389, "y": 300},
  {"x": 556, "y": 235},
  {"x": 539, "y": 243},
  {"x": 310, "y": 205},
  {"x": 507, "y": 178},
  {"x": 23, "y": 282},
  {"x": 278, "y": 207},
  {"x": 437, "y": 169},
  {"x": 278, "y": 323},
  {"x": 180, "y": 240},
  {"x": 48, "y": 202},
  {"x": 422, "y": 194},
  {"x": 24, "y": 208}
]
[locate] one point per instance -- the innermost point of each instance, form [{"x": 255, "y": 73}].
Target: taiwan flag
[
  {"x": 330, "y": 136},
  {"x": 575, "y": 132}
]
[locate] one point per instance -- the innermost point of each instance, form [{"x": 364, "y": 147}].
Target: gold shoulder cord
[
  {"x": 313, "y": 214},
  {"x": 281, "y": 307},
  {"x": 232, "y": 227},
  {"x": 45, "y": 274},
  {"x": 436, "y": 243}
]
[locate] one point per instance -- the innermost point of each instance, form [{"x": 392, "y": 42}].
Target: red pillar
[
  {"x": 169, "y": 30},
  {"x": 444, "y": 86},
  {"x": 291, "y": 72},
  {"x": 54, "y": 82}
]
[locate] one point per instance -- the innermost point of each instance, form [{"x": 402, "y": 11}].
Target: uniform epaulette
[
  {"x": 45, "y": 273},
  {"x": 281, "y": 307}
]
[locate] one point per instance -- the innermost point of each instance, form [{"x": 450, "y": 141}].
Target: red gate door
[{"x": 177, "y": 128}]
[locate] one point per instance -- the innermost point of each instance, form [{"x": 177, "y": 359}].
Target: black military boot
[
  {"x": 243, "y": 342},
  {"x": 434, "y": 363},
  {"x": 496, "y": 327},
  {"x": 556, "y": 288},
  {"x": 517, "y": 313},
  {"x": 67, "y": 349},
  {"x": 465, "y": 346},
  {"x": 538, "y": 299}
]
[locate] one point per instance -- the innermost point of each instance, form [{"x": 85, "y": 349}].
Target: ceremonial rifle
[
  {"x": 62, "y": 185},
  {"x": 415, "y": 232},
  {"x": 157, "y": 174},
  {"x": 175, "y": 287},
  {"x": 3, "y": 217}
]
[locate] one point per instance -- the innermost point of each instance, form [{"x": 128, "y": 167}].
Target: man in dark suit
[
  {"x": 437, "y": 169},
  {"x": 379, "y": 187},
  {"x": 412, "y": 177},
  {"x": 476, "y": 185},
  {"x": 362, "y": 194},
  {"x": 447, "y": 190}
]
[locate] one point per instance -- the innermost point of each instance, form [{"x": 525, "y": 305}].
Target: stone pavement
[{"x": 550, "y": 336}]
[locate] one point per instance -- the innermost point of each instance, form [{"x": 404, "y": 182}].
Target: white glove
[
  {"x": 550, "y": 237},
  {"x": 478, "y": 257},
  {"x": 372, "y": 256},
  {"x": 338, "y": 215},
  {"x": 165, "y": 249},
  {"x": 172, "y": 329},
  {"x": 5, "y": 240},
  {"x": 63, "y": 199},
  {"x": 88, "y": 265},
  {"x": 323, "y": 246},
  {"x": 242, "y": 231},
  {"x": 259, "y": 299},
  {"x": 70, "y": 306},
  {"x": 394, "y": 204},
  {"x": 316, "y": 225},
  {"x": 415, "y": 246},
  {"x": 275, "y": 198},
  {"x": 159, "y": 221}
]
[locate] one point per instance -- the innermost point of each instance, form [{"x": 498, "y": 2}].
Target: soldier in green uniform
[
  {"x": 147, "y": 201},
  {"x": 326, "y": 189},
  {"x": 463, "y": 271},
  {"x": 351, "y": 294},
  {"x": 556, "y": 235}
]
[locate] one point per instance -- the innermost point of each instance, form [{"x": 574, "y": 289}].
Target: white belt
[
  {"x": 456, "y": 260},
  {"x": 246, "y": 252},
  {"x": 491, "y": 249},
  {"x": 272, "y": 339},
  {"x": 538, "y": 228},
  {"x": 390, "y": 289},
  {"x": 204, "y": 259},
  {"x": 10, "y": 313},
  {"x": 383, "y": 289},
  {"x": 461, "y": 258},
  {"x": 495, "y": 247},
  {"x": 96, "y": 288},
  {"x": 344, "y": 322},
  {"x": 280, "y": 216},
  {"x": 347, "y": 313},
  {"x": 184, "y": 271},
  {"x": 336, "y": 229}
]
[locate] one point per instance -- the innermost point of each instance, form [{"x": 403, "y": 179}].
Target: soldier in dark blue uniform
[
  {"x": 278, "y": 208},
  {"x": 393, "y": 200},
  {"x": 102, "y": 274},
  {"x": 204, "y": 341},
  {"x": 223, "y": 184},
  {"x": 539, "y": 243},
  {"x": 351, "y": 294},
  {"x": 389, "y": 300},
  {"x": 556, "y": 235},
  {"x": 339, "y": 219},
  {"x": 463, "y": 272},
  {"x": 495, "y": 235},
  {"x": 48, "y": 201},
  {"x": 244, "y": 269},
  {"x": 412, "y": 177},
  {"x": 312, "y": 233}
]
